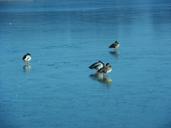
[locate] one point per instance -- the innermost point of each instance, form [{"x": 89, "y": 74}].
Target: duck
[
  {"x": 27, "y": 58},
  {"x": 101, "y": 67},
  {"x": 105, "y": 69},
  {"x": 97, "y": 65},
  {"x": 115, "y": 45}
]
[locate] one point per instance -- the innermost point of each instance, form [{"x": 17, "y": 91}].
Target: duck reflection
[
  {"x": 102, "y": 78},
  {"x": 115, "y": 53},
  {"x": 27, "y": 68}
]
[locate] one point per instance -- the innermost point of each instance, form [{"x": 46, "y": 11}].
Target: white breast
[
  {"x": 117, "y": 46},
  {"x": 109, "y": 70},
  {"x": 28, "y": 58}
]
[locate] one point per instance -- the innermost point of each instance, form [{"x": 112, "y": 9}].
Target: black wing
[
  {"x": 24, "y": 57},
  {"x": 112, "y": 45}
]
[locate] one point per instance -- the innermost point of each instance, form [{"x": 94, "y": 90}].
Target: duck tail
[{"x": 90, "y": 67}]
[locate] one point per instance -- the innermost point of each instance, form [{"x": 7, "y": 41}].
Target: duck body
[
  {"x": 100, "y": 67},
  {"x": 27, "y": 58},
  {"x": 115, "y": 45},
  {"x": 106, "y": 69},
  {"x": 97, "y": 65}
]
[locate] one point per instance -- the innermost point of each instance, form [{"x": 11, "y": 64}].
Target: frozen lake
[{"x": 59, "y": 91}]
